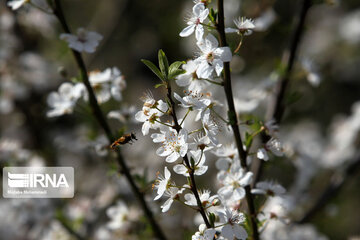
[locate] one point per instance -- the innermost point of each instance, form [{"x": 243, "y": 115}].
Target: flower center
[{"x": 210, "y": 57}]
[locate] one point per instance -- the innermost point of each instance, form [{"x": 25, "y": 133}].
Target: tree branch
[
  {"x": 233, "y": 118},
  {"x": 277, "y": 106},
  {"x": 193, "y": 186},
  {"x": 103, "y": 123}
]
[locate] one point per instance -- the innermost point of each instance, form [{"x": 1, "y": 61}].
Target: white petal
[
  {"x": 239, "y": 232},
  {"x": 181, "y": 169},
  {"x": 187, "y": 31},
  {"x": 239, "y": 193},
  {"x": 167, "y": 173},
  {"x": 224, "y": 53},
  {"x": 231, "y": 30},
  {"x": 166, "y": 206},
  {"x": 227, "y": 232},
  {"x": 172, "y": 157}
]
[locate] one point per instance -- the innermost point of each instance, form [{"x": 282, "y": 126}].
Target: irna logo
[
  {"x": 38, "y": 182},
  {"x": 34, "y": 180}
]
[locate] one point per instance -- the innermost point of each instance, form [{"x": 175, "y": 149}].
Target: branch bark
[
  {"x": 58, "y": 12},
  {"x": 233, "y": 118}
]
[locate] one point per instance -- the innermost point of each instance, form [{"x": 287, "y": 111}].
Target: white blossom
[
  {"x": 212, "y": 57},
  {"x": 199, "y": 15},
  {"x": 174, "y": 146},
  {"x": 210, "y": 127},
  {"x": 107, "y": 83},
  {"x": 234, "y": 182},
  {"x": 202, "y": 143},
  {"x": 150, "y": 114},
  {"x": 162, "y": 183},
  {"x": 173, "y": 193},
  {"x": 190, "y": 78},
  {"x": 232, "y": 229},
  {"x": 194, "y": 101},
  {"x": 275, "y": 146},
  {"x": 64, "y": 101},
  {"x": 244, "y": 26},
  {"x": 84, "y": 41},
  {"x": 206, "y": 199},
  {"x": 268, "y": 188},
  {"x": 199, "y": 160},
  {"x": 204, "y": 233},
  {"x": 118, "y": 215},
  {"x": 124, "y": 115}
]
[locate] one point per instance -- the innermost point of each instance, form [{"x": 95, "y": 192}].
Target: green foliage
[
  {"x": 248, "y": 140},
  {"x": 212, "y": 15},
  {"x": 174, "y": 70},
  {"x": 163, "y": 63},
  {"x": 212, "y": 219},
  {"x": 153, "y": 68},
  {"x": 165, "y": 72}
]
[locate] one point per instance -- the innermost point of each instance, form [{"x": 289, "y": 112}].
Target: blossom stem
[
  {"x": 192, "y": 181},
  {"x": 240, "y": 44},
  {"x": 186, "y": 204},
  {"x": 233, "y": 118},
  {"x": 182, "y": 121},
  {"x": 58, "y": 12},
  {"x": 209, "y": 26},
  {"x": 219, "y": 116},
  {"x": 195, "y": 131},
  {"x": 211, "y": 81},
  {"x": 164, "y": 124},
  {"x": 160, "y": 110}
]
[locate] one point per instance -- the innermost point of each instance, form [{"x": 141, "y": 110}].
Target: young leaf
[
  {"x": 163, "y": 63},
  {"x": 153, "y": 68},
  {"x": 248, "y": 140},
  {"x": 159, "y": 85},
  {"x": 174, "y": 70}
]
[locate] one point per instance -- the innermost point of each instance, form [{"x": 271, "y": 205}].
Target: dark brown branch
[
  {"x": 233, "y": 118},
  {"x": 103, "y": 123},
  {"x": 193, "y": 186}
]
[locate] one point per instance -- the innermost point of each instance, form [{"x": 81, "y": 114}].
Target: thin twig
[
  {"x": 58, "y": 12},
  {"x": 277, "y": 106},
  {"x": 233, "y": 118}
]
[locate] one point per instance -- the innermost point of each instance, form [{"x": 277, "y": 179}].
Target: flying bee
[{"x": 124, "y": 139}]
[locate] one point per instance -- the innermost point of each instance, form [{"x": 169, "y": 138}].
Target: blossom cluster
[
  {"x": 187, "y": 142},
  {"x": 106, "y": 84}
]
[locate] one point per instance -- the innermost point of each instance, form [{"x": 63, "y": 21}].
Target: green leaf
[
  {"x": 212, "y": 219},
  {"x": 159, "y": 85},
  {"x": 248, "y": 140},
  {"x": 163, "y": 63},
  {"x": 176, "y": 73},
  {"x": 153, "y": 68},
  {"x": 174, "y": 70},
  {"x": 212, "y": 15}
]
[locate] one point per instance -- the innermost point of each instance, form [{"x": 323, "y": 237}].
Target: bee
[{"x": 124, "y": 139}]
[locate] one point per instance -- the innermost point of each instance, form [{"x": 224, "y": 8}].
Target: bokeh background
[{"x": 320, "y": 129}]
